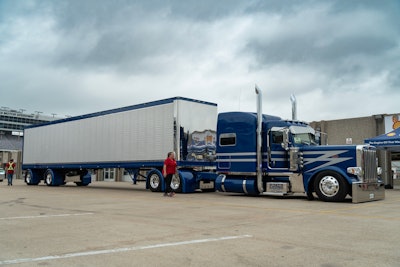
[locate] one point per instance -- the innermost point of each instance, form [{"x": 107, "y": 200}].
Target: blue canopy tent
[{"x": 389, "y": 141}]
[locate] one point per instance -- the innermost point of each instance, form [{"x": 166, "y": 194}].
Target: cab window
[
  {"x": 277, "y": 137},
  {"x": 228, "y": 139}
]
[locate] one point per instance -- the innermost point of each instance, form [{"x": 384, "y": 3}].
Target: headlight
[{"x": 355, "y": 171}]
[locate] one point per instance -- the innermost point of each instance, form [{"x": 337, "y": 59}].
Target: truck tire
[
  {"x": 176, "y": 183},
  {"x": 331, "y": 186},
  {"x": 154, "y": 179}
]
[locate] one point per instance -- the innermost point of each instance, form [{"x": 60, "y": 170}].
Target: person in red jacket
[
  {"x": 10, "y": 167},
  {"x": 169, "y": 169}
]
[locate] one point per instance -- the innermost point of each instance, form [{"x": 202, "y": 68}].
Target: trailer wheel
[
  {"x": 29, "y": 178},
  {"x": 176, "y": 183},
  {"x": 331, "y": 186},
  {"x": 49, "y": 178},
  {"x": 154, "y": 180}
]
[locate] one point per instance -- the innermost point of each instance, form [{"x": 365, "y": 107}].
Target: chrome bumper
[{"x": 365, "y": 192}]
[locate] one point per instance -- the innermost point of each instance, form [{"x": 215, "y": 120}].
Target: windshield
[{"x": 303, "y": 135}]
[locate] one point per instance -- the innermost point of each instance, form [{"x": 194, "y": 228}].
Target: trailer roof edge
[{"x": 122, "y": 109}]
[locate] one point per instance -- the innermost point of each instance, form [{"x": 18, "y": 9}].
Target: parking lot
[{"x": 120, "y": 224}]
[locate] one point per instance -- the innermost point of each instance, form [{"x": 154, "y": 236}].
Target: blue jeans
[{"x": 10, "y": 178}]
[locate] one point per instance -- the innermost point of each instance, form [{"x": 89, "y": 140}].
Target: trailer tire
[
  {"x": 51, "y": 178},
  {"x": 176, "y": 183},
  {"x": 331, "y": 186},
  {"x": 154, "y": 179},
  {"x": 29, "y": 180}
]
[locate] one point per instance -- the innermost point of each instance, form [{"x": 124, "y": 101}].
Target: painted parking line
[
  {"x": 119, "y": 250},
  {"x": 45, "y": 216}
]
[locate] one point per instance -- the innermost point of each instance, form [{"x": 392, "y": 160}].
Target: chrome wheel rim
[
  {"x": 154, "y": 181},
  {"x": 49, "y": 178},
  {"x": 329, "y": 186},
  {"x": 175, "y": 182},
  {"x": 28, "y": 178}
]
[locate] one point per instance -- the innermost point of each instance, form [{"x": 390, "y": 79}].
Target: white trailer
[{"x": 136, "y": 138}]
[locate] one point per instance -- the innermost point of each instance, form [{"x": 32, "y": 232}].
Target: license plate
[{"x": 276, "y": 187}]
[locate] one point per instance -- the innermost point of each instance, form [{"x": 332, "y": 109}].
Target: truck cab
[{"x": 292, "y": 161}]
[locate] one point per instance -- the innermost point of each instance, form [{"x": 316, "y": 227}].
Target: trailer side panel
[{"x": 138, "y": 134}]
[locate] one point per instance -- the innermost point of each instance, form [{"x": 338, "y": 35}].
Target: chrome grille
[{"x": 370, "y": 165}]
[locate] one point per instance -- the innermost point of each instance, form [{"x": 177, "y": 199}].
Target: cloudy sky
[{"x": 341, "y": 59}]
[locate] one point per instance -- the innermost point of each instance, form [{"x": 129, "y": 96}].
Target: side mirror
[
  {"x": 321, "y": 138},
  {"x": 285, "y": 142}
]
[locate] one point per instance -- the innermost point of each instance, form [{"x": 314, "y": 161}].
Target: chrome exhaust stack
[
  {"x": 294, "y": 107},
  {"x": 259, "y": 140}
]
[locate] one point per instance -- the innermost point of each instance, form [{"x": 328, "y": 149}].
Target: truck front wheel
[{"x": 331, "y": 186}]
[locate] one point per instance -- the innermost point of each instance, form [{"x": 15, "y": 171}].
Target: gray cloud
[
  {"x": 345, "y": 43},
  {"x": 319, "y": 36},
  {"x": 92, "y": 55}
]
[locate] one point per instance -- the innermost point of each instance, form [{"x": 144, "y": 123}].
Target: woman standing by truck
[{"x": 169, "y": 169}]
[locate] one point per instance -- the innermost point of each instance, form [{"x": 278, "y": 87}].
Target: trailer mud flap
[{"x": 364, "y": 192}]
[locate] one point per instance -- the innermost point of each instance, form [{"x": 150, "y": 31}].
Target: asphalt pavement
[{"x": 120, "y": 224}]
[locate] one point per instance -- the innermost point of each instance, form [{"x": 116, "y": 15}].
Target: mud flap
[{"x": 365, "y": 192}]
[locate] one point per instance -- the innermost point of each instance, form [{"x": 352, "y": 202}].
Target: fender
[
  {"x": 188, "y": 181},
  {"x": 308, "y": 177}
]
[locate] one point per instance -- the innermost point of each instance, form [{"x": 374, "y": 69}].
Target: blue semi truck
[
  {"x": 260, "y": 154},
  {"x": 242, "y": 152}
]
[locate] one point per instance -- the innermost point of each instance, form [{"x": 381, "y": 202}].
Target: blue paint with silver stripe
[
  {"x": 238, "y": 161},
  {"x": 240, "y": 157}
]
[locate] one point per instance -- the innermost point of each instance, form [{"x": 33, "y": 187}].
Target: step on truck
[
  {"x": 136, "y": 138},
  {"x": 260, "y": 154}
]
